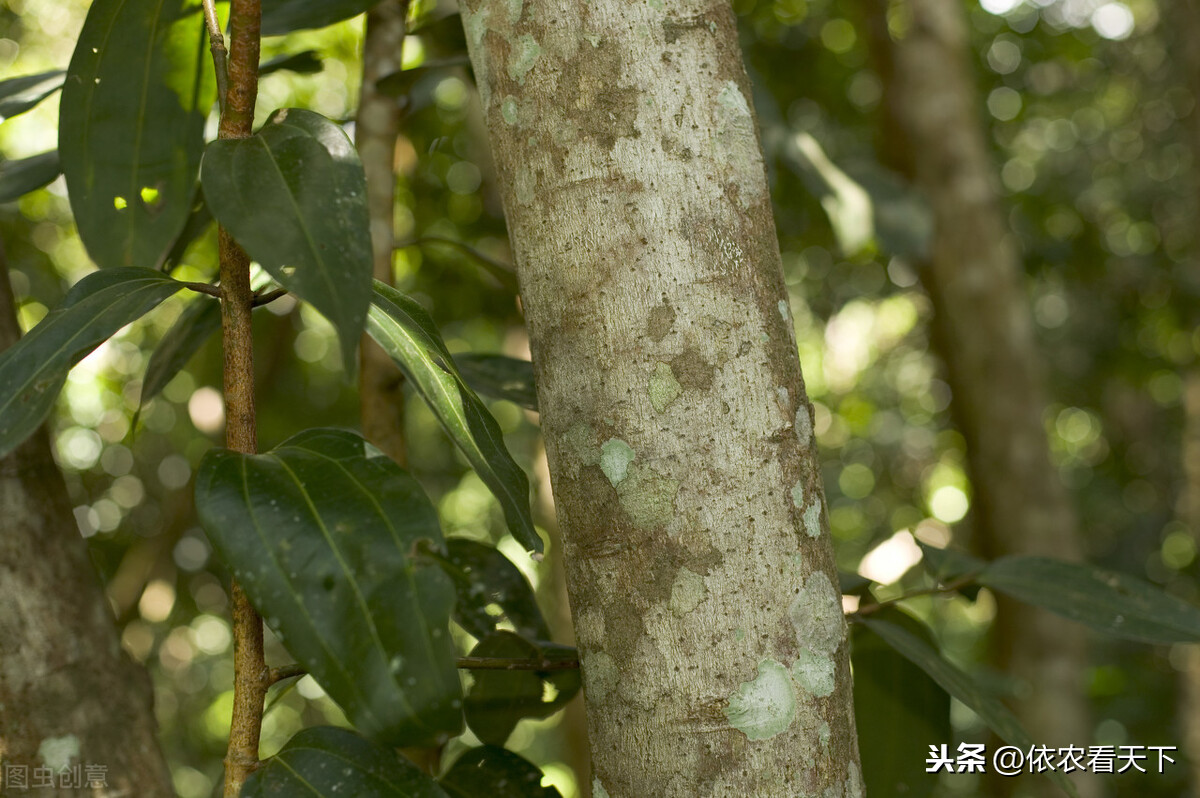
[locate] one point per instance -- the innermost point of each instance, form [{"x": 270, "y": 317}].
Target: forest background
[{"x": 1089, "y": 114}]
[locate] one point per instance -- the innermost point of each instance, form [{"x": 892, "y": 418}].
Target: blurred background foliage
[{"x": 1087, "y": 105}]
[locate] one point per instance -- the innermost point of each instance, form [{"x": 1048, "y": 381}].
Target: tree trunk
[
  {"x": 376, "y": 129},
  {"x": 69, "y": 696},
  {"x": 678, "y": 432},
  {"x": 983, "y": 331}
]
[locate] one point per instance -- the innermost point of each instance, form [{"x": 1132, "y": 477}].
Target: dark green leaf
[
  {"x": 492, "y": 772},
  {"x": 400, "y": 84},
  {"x": 306, "y": 62},
  {"x": 198, "y": 223},
  {"x": 284, "y": 16},
  {"x": 33, "y": 370},
  {"x": 901, "y": 711},
  {"x": 961, "y": 686},
  {"x": 852, "y": 584},
  {"x": 194, "y": 326},
  {"x": 18, "y": 95},
  {"x": 323, "y": 533},
  {"x": 294, "y": 196},
  {"x": 408, "y": 334},
  {"x": 326, "y": 762},
  {"x": 18, "y": 178},
  {"x": 484, "y": 577},
  {"x": 946, "y": 565},
  {"x": 499, "y": 699},
  {"x": 500, "y": 377},
  {"x": 1113, "y": 603},
  {"x": 134, "y": 105}
]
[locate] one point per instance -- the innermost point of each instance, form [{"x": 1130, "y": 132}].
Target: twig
[
  {"x": 949, "y": 587},
  {"x": 251, "y": 675},
  {"x": 216, "y": 43},
  {"x": 285, "y": 672},
  {"x": 265, "y": 299}
]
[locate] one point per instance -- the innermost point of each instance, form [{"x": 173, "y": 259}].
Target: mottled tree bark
[
  {"x": 983, "y": 330},
  {"x": 376, "y": 129},
  {"x": 678, "y": 432},
  {"x": 69, "y": 696}
]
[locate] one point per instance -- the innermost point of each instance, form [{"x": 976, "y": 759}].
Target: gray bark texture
[
  {"x": 69, "y": 696},
  {"x": 983, "y": 330},
  {"x": 678, "y": 432}
]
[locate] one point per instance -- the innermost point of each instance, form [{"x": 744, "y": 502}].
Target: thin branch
[
  {"x": 539, "y": 664},
  {"x": 216, "y": 43},
  {"x": 285, "y": 672},
  {"x": 265, "y": 299},
  {"x": 949, "y": 587},
  {"x": 212, "y": 289}
]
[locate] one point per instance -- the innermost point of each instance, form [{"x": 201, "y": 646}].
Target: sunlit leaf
[
  {"x": 326, "y": 762},
  {"x": 136, "y": 97},
  {"x": 483, "y": 577},
  {"x": 1113, "y": 603},
  {"x": 500, "y": 377},
  {"x": 499, "y": 699},
  {"x": 492, "y": 772},
  {"x": 33, "y": 370},
  {"x": 845, "y": 201},
  {"x": 19, "y": 177},
  {"x": 961, "y": 686},
  {"x": 324, "y": 534},
  {"x": 284, "y": 16},
  {"x": 191, "y": 330},
  {"x": 901, "y": 711},
  {"x": 406, "y": 332},
  {"x": 18, "y": 95},
  {"x": 294, "y": 196}
]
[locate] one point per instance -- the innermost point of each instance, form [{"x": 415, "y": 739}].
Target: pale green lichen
[
  {"x": 798, "y": 495},
  {"x": 475, "y": 24},
  {"x": 599, "y": 674},
  {"x": 739, "y": 634},
  {"x": 664, "y": 388},
  {"x": 508, "y": 110},
  {"x": 823, "y": 734},
  {"x": 598, "y": 790},
  {"x": 525, "y": 186},
  {"x": 648, "y": 497},
  {"x": 854, "y": 781},
  {"x": 579, "y": 443},
  {"x": 687, "y": 592},
  {"x": 764, "y": 706},
  {"x": 814, "y": 672},
  {"x": 804, "y": 426},
  {"x": 812, "y": 520},
  {"x": 515, "y": 8},
  {"x": 592, "y": 38},
  {"x": 56, "y": 753},
  {"x": 737, "y": 143},
  {"x": 817, "y": 615},
  {"x": 615, "y": 457},
  {"x": 527, "y": 53},
  {"x": 783, "y": 309}
]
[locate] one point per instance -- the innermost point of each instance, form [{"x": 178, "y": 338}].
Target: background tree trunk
[
  {"x": 983, "y": 330},
  {"x": 678, "y": 431},
  {"x": 69, "y": 696}
]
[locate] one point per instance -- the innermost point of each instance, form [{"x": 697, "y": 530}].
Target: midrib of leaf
[
  {"x": 296, "y": 774},
  {"x": 69, "y": 341},
  {"x": 312, "y": 246},
  {"x": 409, "y": 576},
  {"x": 243, "y": 463}
]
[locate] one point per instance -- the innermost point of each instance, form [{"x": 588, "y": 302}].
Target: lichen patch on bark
[
  {"x": 814, "y": 672},
  {"x": 664, "y": 388},
  {"x": 764, "y": 706},
  {"x": 816, "y": 614}
]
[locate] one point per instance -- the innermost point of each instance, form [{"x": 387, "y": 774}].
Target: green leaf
[
  {"x": 495, "y": 773},
  {"x": 33, "y": 370},
  {"x": 305, "y": 62},
  {"x": 961, "y": 686},
  {"x": 946, "y": 565},
  {"x": 327, "y": 762},
  {"x": 500, "y": 377},
  {"x": 901, "y": 711},
  {"x": 847, "y": 204},
  {"x": 136, "y": 98},
  {"x": 1113, "y": 603},
  {"x": 499, "y": 699},
  {"x": 18, "y": 95},
  {"x": 284, "y": 16},
  {"x": 194, "y": 326},
  {"x": 484, "y": 577},
  {"x": 198, "y": 223},
  {"x": 294, "y": 196},
  {"x": 408, "y": 334},
  {"x": 18, "y": 178},
  {"x": 323, "y": 533},
  {"x": 852, "y": 584}
]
